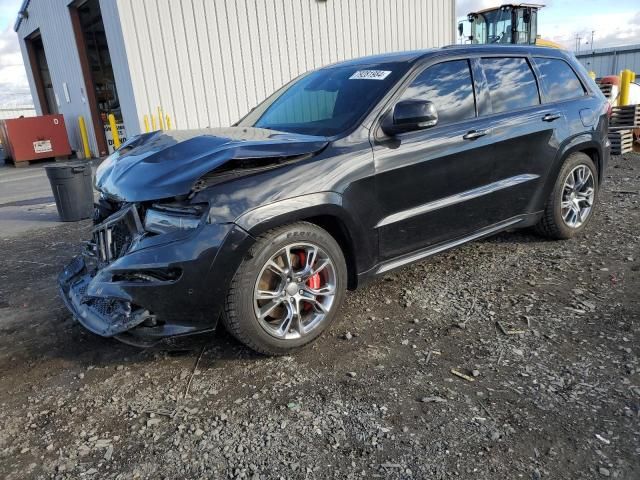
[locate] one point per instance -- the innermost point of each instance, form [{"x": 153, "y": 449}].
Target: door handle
[
  {"x": 550, "y": 117},
  {"x": 473, "y": 134}
]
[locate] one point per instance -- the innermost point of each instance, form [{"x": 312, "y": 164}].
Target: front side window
[
  {"x": 449, "y": 87},
  {"x": 558, "y": 79},
  {"x": 512, "y": 85},
  {"x": 328, "y": 101}
]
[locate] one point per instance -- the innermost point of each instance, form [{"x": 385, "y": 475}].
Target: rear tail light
[{"x": 609, "y": 110}]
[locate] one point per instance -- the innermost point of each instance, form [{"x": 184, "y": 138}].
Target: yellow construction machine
[{"x": 511, "y": 23}]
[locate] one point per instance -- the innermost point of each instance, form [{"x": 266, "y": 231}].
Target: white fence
[{"x": 15, "y": 112}]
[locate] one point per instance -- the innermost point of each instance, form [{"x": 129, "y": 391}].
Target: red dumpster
[{"x": 33, "y": 138}]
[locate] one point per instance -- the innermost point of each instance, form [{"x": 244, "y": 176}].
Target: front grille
[
  {"x": 104, "y": 306},
  {"x": 112, "y": 242},
  {"x": 113, "y": 237}
]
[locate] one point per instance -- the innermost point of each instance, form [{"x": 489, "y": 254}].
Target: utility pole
[{"x": 592, "y": 33}]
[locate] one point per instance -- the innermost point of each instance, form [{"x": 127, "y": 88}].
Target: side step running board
[{"x": 427, "y": 252}]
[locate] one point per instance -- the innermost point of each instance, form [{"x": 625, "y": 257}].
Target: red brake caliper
[{"x": 313, "y": 281}]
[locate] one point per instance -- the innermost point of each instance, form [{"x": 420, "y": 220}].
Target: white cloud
[
  {"x": 611, "y": 29},
  {"x": 463, "y": 7},
  {"x": 14, "y": 88}
]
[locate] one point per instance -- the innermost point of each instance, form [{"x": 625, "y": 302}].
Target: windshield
[
  {"x": 326, "y": 102},
  {"x": 493, "y": 27}
]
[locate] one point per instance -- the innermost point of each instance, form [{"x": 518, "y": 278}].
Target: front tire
[
  {"x": 571, "y": 203},
  {"x": 287, "y": 290}
]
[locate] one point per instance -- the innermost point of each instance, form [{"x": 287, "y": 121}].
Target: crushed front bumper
[
  {"x": 132, "y": 297},
  {"x": 103, "y": 316}
]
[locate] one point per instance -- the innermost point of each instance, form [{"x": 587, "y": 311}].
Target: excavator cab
[{"x": 512, "y": 23}]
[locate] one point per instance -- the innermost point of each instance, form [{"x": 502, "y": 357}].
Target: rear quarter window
[
  {"x": 559, "y": 81},
  {"x": 512, "y": 85}
]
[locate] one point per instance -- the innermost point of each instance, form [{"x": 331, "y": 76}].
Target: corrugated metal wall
[
  {"x": 53, "y": 19},
  {"x": 207, "y": 63},
  {"x": 611, "y": 61}
]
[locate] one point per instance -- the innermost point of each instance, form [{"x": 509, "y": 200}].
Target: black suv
[{"x": 347, "y": 172}]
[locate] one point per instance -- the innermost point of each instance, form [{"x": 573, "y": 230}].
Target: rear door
[
  {"x": 562, "y": 89},
  {"x": 525, "y": 134}
]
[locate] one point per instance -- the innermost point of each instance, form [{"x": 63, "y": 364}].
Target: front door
[{"x": 430, "y": 182}]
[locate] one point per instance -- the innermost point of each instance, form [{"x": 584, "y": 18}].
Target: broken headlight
[{"x": 169, "y": 218}]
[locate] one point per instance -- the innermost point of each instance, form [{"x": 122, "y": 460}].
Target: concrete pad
[
  {"x": 16, "y": 220},
  {"x": 26, "y": 200},
  {"x": 18, "y": 184}
]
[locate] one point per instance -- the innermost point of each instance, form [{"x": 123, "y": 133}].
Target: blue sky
[
  {"x": 8, "y": 10},
  {"x": 614, "y": 22}
]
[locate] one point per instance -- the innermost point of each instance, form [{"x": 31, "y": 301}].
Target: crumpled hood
[{"x": 161, "y": 165}]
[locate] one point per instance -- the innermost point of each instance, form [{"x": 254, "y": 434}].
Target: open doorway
[
  {"x": 41, "y": 75},
  {"x": 98, "y": 71}
]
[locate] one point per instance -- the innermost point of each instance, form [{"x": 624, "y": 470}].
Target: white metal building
[
  {"x": 202, "y": 62},
  {"x": 610, "y": 61}
]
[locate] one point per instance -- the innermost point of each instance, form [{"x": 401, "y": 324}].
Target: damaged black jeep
[{"x": 347, "y": 172}]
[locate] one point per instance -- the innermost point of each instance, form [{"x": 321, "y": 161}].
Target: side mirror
[
  {"x": 460, "y": 29},
  {"x": 410, "y": 115}
]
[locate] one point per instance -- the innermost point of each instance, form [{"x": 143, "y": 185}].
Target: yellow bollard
[
  {"x": 160, "y": 120},
  {"x": 153, "y": 123},
  {"x": 114, "y": 131},
  {"x": 592, "y": 74},
  {"x": 625, "y": 81},
  {"x": 84, "y": 136},
  {"x": 168, "y": 122},
  {"x": 146, "y": 124}
]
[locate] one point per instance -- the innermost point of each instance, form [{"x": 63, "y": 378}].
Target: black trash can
[{"x": 72, "y": 187}]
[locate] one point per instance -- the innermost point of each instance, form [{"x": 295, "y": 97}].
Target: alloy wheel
[
  {"x": 295, "y": 291},
  {"x": 578, "y": 194}
]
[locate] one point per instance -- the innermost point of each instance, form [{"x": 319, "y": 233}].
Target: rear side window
[
  {"x": 512, "y": 84},
  {"x": 449, "y": 87},
  {"x": 558, "y": 80}
]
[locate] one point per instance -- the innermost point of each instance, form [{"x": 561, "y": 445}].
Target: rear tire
[
  {"x": 287, "y": 290},
  {"x": 570, "y": 208}
]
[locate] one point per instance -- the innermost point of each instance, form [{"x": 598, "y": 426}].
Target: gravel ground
[{"x": 545, "y": 334}]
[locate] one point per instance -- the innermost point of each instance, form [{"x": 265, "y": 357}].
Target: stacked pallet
[
  {"x": 621, "y": 141},
  {"x": 606, "y": 89},
  {"x": 625, "y": 117}
]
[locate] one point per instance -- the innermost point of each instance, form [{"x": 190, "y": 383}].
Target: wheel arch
[
  {"x": 325, "y": 210},
  {"x": 584, "y": 143},
  {"x": 581, "y": 144}
]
